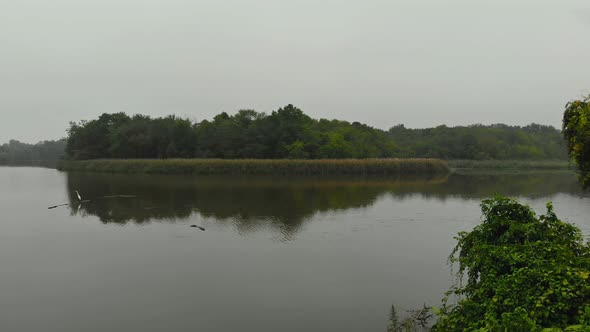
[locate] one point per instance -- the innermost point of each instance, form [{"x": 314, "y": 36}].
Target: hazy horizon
[{"x": 417, "y": 63}]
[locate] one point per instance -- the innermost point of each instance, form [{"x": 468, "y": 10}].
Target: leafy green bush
[
  {"x": 576, "y": 131},
  {"x": 524, "y": 273}
]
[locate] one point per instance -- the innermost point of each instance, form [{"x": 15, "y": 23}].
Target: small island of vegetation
[{"x": 288, "y": 141}]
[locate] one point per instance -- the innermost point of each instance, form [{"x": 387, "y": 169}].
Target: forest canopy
[{"x": 288, "y": 133}]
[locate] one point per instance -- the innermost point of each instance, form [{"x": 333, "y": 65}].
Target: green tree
[
  {"x": 576, "y": 130},
  {"x": 92, "y": 139},
  {"x": 296, "y": 150},
  {"x": 336, "y": 147}
]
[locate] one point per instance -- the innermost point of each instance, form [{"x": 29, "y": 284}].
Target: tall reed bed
[
  {"x": 388, "y": 167},
  {"x": 511, "y": 164}
]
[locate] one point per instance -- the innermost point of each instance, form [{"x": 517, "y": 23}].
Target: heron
[{"x": 79, "y": 197}]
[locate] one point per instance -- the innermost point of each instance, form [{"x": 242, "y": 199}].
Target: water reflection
[
  {"x": 484, "y": 184},
  {"x": 281, "y": 202},
  {"x": 247, "y": 203}
]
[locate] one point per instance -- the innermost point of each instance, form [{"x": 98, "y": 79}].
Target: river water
[{"x": 277, "y": 254}]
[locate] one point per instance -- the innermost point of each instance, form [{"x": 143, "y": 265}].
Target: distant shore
[
  {"x": 379, "y": 167},
  {"x": 386, "y": 166}
]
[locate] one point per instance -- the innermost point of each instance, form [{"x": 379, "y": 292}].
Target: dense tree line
[
  {"x": 18, "y": 152},
  {"x": 285, "y": 133},
  {"x": 290, "y": 133},
  {"x": 496, "y": 141}
]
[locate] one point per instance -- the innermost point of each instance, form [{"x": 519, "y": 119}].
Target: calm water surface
[{"x": 277, "y": 254}]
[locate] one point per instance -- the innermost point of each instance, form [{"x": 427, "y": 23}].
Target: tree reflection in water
[{"x": 281, "y": 203}]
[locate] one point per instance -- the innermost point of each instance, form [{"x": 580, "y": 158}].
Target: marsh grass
[
  {"x": 383, "y": 167},
  {"x": 512, "y": 164}
]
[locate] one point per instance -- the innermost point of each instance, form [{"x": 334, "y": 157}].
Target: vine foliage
[{"x": 518, "y": 272}]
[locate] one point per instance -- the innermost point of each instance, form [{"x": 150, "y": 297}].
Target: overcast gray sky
[{"x": 421, "y": 63}]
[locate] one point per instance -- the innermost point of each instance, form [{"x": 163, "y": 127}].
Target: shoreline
[
  {"x": 305, "y": 167},
  {"x": 311, "y": 167}
]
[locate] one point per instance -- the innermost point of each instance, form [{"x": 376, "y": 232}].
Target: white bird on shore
[{"x": 79, "y": 197}]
